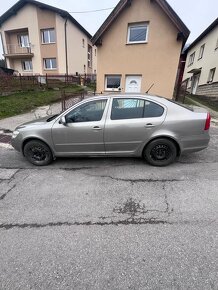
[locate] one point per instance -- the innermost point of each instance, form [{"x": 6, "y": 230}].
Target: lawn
[{"x": 22, "y": 102}]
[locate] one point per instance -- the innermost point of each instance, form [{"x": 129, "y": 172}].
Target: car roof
[{"x": 147, "y": 96}]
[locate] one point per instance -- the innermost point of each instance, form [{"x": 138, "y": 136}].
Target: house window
[
  {"x": 23, "y": 40},
  {"x": 137, "y": 33},
  {"x": 191, "y": 58},
  {"x": 89, "y": 55},
  {"x": 27, "y": 65},
  {"x": 50, "y": 63},
  {"x": 112, "y": 82},
  {"x": 48, "y": 36},
  {"x": 95, "y": 52},
  {"x": 216, "y": 44},
  {"x": 211, "y": 75},
  {"x": 201, "y": 52}
]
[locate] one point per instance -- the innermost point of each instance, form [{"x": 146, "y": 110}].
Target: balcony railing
[{"x": 15, "y": 49}]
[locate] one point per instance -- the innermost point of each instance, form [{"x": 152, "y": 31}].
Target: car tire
[
  {"x": 38, "y": 153},
  {"x": 160, "y": 152}
]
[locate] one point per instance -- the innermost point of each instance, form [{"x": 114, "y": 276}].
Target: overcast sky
[{"x": 196, "y": 14}]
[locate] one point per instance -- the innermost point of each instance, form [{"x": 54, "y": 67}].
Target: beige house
[
  {"x": 201, "y": 69},
  {"x": 139, "y": 46},
  {"x": 41, "y": 39}
]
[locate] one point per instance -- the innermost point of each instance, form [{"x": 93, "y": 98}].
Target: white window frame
[
  {"x": 29, "y": 66},
  {"x": 216, "y": 44},
  {"x": 49, "y": 35},
  {"x": 89, "y": 56},
  {"x": 201, "y": 52},
  {"x": 50, "y": 62},
  {"x": 211, "y": 75},
  {"x": 22, "y": 43},
  {"x": 113, "y": 89},
  {"x": 135, "y": 25},
  {"x": 191, "y": 58}
]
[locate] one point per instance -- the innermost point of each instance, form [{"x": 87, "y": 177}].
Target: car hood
[{"x": 38, "y": 122}]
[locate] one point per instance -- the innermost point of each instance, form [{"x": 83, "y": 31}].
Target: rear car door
[
  {"x": 130, "y": 123},
  {"x": 84, "y": 130}
]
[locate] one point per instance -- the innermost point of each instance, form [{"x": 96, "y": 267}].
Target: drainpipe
[{"x": 66, "y": 52}]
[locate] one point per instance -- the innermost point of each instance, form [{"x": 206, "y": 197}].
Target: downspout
[{"x": 66, "y": 51}]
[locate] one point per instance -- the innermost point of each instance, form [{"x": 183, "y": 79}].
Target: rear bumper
[{"x": 195, "y": 143}]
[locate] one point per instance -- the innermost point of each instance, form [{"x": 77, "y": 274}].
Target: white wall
[{"x": 209, "y": 59}]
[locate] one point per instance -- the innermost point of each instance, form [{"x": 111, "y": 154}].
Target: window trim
[
  {"x": 201, "y": 52},
  {"x": 49, "y": 36},
  {"x": 89, "y": 56},
  {"x": 211, "y": 75},
  {"x": 216, "y": 47},
  {"x": 19, "y": 39},
  {"x": 191, "y": 60},
  {"x": 50, "y": 58},
  {"x": 112, "y": 89},
  {"x": 139, "y": 24},
  {"x": 22, "y": 64}
]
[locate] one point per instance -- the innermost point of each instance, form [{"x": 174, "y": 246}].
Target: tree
[{"x": 2, "y": 63}]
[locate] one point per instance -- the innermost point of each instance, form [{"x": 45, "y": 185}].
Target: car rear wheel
[
  {"x": 160, "y": 152},
  {"x": 38, "y": 153}
]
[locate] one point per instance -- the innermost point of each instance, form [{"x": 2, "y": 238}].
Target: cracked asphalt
[{"x": 109, "y": 223}]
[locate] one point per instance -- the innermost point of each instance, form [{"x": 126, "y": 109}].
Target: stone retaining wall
[{"x": 210, "y": 90}]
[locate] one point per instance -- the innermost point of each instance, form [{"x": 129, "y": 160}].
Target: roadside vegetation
[
  {"x": 209, "y": 102},
  {"x": 21, "y": 102}
]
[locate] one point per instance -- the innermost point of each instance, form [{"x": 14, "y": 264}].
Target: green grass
[{"x": 22, "y": 102}]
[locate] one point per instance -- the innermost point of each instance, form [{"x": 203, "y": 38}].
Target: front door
[
  {"x": 133, "y": 84},
  {"x": 84, "y": 130},
  {"x": 195, "y": 82}
]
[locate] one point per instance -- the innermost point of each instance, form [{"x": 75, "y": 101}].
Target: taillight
[{"x": 207, "y": 123}]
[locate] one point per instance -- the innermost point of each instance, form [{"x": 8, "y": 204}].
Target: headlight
[{"x": 15, "y": 133}]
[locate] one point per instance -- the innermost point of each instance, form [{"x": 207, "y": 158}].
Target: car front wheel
[
  {"x": 38, "y": 153},
  {"x": 160, "y": 152}
]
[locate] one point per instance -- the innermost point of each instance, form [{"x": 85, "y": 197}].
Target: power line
[{"x": 91, "y": 11}]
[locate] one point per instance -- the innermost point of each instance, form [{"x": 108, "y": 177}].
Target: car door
[
  {"x": 84, "y": 130},
  {"x": 130, "y": 122}
]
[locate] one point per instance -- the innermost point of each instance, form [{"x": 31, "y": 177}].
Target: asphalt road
[{"x": 109, "y": 223}]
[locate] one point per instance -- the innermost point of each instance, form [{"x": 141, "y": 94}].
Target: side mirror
[{"x": 63, "y": 121}]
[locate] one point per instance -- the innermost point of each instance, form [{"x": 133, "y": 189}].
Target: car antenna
[{"x": 149, "y": 88}]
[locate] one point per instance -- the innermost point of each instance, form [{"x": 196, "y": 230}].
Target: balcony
[{"x": 16, "y": 51}]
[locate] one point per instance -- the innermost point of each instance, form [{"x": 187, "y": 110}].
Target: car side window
[
  {"x": 152, "y": 110},
  {"x": 134, "y": 108},
  {"x": 89, "y": 112}
]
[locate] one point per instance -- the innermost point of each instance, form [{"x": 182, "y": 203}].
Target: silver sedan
[{"x": 151, "y": 127}]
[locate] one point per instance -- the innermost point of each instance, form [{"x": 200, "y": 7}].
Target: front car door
[
  {"x": 83, "y": 132},
  {"x": 130, "y": 123}
]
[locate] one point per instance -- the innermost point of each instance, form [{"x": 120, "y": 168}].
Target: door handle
[
  {"x": 149, "y": 125},
  {"x": 96, "y": 128}
]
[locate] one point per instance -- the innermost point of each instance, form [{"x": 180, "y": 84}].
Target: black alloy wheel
[
  {"x": 160, "y": 152},
  {"x": 38, "y": 153}
]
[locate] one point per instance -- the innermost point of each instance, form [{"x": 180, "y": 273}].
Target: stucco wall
[
  {"x": 27, "y": 17},
  {"x": 209, "y": 59},
  {"x": 46, "y": 20},
  {"x": 157, "y": 61}
]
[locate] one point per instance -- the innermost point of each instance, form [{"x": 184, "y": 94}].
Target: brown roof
[{"x": 183, "y": 30}]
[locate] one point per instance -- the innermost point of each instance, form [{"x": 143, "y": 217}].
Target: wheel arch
[
  {"x": 36, "y": 139},
  {"x": 170, "y": 138}
]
